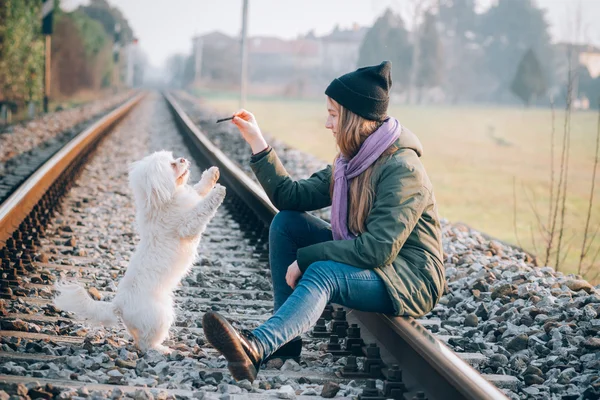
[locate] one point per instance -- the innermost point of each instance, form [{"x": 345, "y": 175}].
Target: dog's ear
[
  {"x": 152, "y": 182},
  {"x": 160, "y": 184}
]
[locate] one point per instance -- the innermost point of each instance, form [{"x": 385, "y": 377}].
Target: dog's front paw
[
  {"x": 207, "y": 181},
  {"x": 219, "y": 191},
  {"x": 211, "y": 176}
]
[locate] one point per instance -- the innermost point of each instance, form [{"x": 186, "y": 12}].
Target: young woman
[{"x": 383, "y": 250}]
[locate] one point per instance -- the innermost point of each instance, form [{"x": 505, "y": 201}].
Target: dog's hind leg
[
  {"x": 140, "y": 342},
  {"x": 157, "y": 338}
]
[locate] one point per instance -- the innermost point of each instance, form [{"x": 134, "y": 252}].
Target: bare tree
[
  {"x": 415, "y": 11},
  {"x": 585, "y": 246},
  {"x": 553, "y": 231}
]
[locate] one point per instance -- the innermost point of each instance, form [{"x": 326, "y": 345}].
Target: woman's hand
[
  {"x": 293, "y": 274},
  {"x": 251, "y": 133}
]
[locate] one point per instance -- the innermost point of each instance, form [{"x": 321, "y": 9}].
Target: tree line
[
  {"x": 502, "y": 55},
  {"x": 81, "y": 50}
]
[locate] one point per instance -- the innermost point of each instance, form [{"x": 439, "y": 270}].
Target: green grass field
[{"x": 472, "y": 155}]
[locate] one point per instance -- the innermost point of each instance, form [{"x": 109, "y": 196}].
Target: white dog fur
[{"x": 170, "y": 217}]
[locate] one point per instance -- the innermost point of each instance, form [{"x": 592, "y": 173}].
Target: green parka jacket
[{"x": 403, "y": 238}]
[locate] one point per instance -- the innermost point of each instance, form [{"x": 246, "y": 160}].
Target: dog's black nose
[{"x": 182, "y": 160}]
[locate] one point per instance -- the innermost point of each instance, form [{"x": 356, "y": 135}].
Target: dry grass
[{"x": 472, "y": 155}]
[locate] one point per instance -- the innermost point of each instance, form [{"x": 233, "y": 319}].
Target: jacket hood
[{"x": 409, "y": 140}]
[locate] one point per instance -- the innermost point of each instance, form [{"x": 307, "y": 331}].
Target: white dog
[{"x": 170, "y": 216}]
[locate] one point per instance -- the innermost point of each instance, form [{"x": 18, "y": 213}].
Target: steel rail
[{"x": 20, "y": 203}]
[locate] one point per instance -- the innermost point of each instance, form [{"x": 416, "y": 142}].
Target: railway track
[{"x": 74, "y": 218}]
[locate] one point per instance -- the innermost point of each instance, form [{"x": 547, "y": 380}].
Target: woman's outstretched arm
[
  {"x": 288, "y": 194},
  {"x": 285, "y": 193}
]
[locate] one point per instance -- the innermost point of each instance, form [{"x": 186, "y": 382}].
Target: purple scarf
[{"x": 371, "y": 149}]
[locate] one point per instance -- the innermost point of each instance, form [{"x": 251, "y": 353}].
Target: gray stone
[
  {"x": 153, "y": 357},
  {"x": 141, "y": 365},
  {"x": 275, "y": 363},
  {"x": 579, "y": 284},
  {"x": 245, "y": 384},
  {"x": 125, "y": 364},
  {"x": 291, "y": 365},
  {"x": 533, "y": 391},
  {"x": 114, "y": 373},
  {"x": 286, "y": 392},
  {"x": 532, "y": 370},
  {"x": 592, "y": 343},
  {"x": 162, "y": 368},
  {"x": 127, "y": 355},
  {"x": 471, "y": 320},
  {"x": 85, "y": 378},
  {"x": 116, "y": 394},
  {"x": 533, "y": 380},
  {"x": 330, "y": 389},
  {"x": 483, "y": 311},
  {"x": 498, "y": 360},
  {"x": 141, "y": 381},
  {"x": 231, "y": 389},
  {"x": 518, "y": 343},
  {"x": 142, "y": 394},
  {"x": 566, "y": 376},
  {"x": 67, "y": 394},
  {"x": 75, "y": 362},
  {"x": 176, "y": 356}
]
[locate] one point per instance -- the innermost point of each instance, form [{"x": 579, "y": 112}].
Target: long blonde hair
[{"x": 352, "y": 131}]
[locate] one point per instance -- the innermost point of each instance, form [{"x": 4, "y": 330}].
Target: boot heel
[
  {"x": 240, "y": 371},
  {"x": 241, "y": 350}
]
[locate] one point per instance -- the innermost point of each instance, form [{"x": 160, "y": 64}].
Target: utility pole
[
  {"x": 244, "y": 71},
  {"x": 198, "y": 45},
  {"x": 116, "y": 54},
  {"x": 47, "y": 13}
]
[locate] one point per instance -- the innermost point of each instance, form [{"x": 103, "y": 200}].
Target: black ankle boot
[
  {"x": 291, "y": 349},
  {"x": 243, "y": 352}
]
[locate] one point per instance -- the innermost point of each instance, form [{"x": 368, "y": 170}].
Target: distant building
[
  {"x": 340, "y": 50},
  {"x": 296, "y": 67},
  {"x": 216, "y": 57},
  {"x": 583, "y": 55},
  {"x": 590, "y": 57}
]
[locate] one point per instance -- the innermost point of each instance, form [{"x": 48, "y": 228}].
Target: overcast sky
[{"x": 165, "y": 27}]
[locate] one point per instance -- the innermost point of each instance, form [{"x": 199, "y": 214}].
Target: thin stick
[
  {"x": 566, "y": 180},
  {"x": 562, "y": 163},
  {"x": 533, "y": 205},
  {"x": 552, "y": 134},
  {"x": 593, "y": 262},
  {"x": 225, "y": 119},
  {"x": 568, "y": 246},
  {"x": 591, "y": 241},
  {"x": 589, "y": 213},
  {"x": 515, "y": 212},
  {"x": 533, "y": 240}
]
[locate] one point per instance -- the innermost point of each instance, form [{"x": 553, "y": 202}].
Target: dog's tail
[{"x": 73, "y": 298}]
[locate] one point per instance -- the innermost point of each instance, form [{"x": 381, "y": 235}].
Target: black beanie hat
[{"x": 364, "y": 91}]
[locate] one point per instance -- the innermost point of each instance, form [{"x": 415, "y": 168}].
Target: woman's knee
[
  {"x": 318, "y": 278},
  {"x": 284, "y": 220},
  {"x": 318, "y": 272}
]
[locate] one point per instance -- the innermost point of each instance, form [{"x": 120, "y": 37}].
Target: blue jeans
[{"x": 296, "y": 311}]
